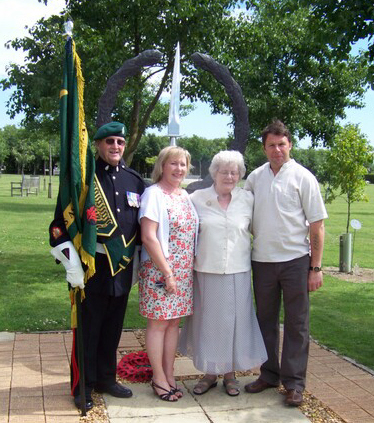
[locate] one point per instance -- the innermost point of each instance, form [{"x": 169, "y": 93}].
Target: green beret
[{"x": 111, "y": 129}]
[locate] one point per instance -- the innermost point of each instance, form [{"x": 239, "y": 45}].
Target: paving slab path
[{"x": 34, "y": 387}]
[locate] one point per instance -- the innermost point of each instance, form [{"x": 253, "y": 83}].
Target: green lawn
[
  {"x": 34, "y": 296},
  {"x": 335, "y": 225},
  {"x": 342, "y": 316}
]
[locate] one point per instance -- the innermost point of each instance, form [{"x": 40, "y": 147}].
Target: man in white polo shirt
[{"x": 288, "y": 236}]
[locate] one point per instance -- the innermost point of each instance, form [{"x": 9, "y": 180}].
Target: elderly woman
[
  {"x": 169, "y": 226},
  {"x": 223, "y": 335}
]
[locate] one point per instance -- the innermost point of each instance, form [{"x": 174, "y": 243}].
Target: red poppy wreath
[{"x": 135, "y": 367}]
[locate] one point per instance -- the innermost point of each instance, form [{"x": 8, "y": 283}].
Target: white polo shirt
[
  {"x": 282, "y": 206},
  {"x": 224, "y": 241}
]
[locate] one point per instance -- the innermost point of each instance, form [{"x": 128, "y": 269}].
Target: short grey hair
[{"x": 227, "y": 157}]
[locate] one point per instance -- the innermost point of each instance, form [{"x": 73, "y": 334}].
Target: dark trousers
[
  {"x": 102, "y": 318},
  {"x": 270, "y": 281}
]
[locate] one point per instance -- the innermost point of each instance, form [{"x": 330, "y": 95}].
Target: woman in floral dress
[{"x": 169, "y": 226}]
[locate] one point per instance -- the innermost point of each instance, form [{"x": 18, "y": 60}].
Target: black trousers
[
  {"x": 271, "y": 281},
  {"x": 102, "y": 317}
]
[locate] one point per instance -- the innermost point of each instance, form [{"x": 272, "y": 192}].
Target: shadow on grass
[
  {"x": 21, "y": 270},
  {"x": 28, "y": 208},
  {"x": 361, "y": 213}
]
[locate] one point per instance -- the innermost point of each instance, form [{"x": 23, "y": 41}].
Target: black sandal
[
  {"x": 164, "y": 397},
  {"x": 175, "y": 390}
]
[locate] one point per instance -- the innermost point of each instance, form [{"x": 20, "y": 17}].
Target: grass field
[
  {"x": 34, "y": 296},
  {"x": 336, "y": 224},
  {"x": 342, "y": 316}
]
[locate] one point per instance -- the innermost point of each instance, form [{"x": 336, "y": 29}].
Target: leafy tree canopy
[
  {"x": 201, "y": 149},
  {"x": 341, "y": 23},
  {"x": 283, "y": 66},
  {"x": 7, "y": 136},
  {"x": 25, "y": 149},
  {"x": 107, "y": 33},
  {"x": 287, "y": 71}
]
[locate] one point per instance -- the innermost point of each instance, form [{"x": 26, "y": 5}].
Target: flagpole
[
  {"x": 174, "y": 121},
  {"x": 82, "y": 387},
  {"x": 68, "y": 26}
]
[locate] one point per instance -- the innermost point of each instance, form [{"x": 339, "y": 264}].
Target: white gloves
[{"x": 73, "y": 265}]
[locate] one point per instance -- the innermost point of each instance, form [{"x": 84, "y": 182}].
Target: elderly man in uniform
[
  {"x": 117, "y": 194},
  {"x": 287, "y": 208}
]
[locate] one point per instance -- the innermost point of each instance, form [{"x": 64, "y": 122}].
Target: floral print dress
[{"x": 155, "y": 302}]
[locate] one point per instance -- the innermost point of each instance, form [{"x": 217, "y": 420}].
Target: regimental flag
[{"x": 77, "y": 163}]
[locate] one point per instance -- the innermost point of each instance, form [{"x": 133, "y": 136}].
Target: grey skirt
[{"x": 223, "y": 334}]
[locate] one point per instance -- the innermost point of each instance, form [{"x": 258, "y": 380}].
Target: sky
[{"x": 16, "y": 14}]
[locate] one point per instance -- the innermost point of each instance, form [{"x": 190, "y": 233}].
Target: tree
[
  {"x": 347, "y": 164},
  {"x": 5, "y": 137},
  {"x": 283, "y": 67},
  {"x": 315, "y": 161},
  {"x": 11, "y": 143},
  {"x": 108, "y": 32},
  {"x": 342, "y": 23},
  {"x": 22, "y": 150},
  {"x": 202, "y": 151},
  {"x": 25, "y": 149},
  {"x": 149, "y": 146},
  {"x": 42, "y": 146},
  {"x": 287, "y": 72},
  {"x": 254, "y": 155}
]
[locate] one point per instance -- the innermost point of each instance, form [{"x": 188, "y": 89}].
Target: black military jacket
[{"x": 119, "y": 184}]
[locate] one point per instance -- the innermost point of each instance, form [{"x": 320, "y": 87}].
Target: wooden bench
[
  {"x": 16, "y": 188},
  {"x": 28, "y": 185}
]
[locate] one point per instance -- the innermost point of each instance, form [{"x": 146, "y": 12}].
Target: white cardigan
[{"x": 152, "y": 206}]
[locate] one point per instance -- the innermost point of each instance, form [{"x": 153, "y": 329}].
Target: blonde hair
[
  {"x": 227, "y": 157},
  {"x": 164, "y": 155}
]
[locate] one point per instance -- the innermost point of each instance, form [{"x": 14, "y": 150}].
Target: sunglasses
[{"x": 110, "y": 141}]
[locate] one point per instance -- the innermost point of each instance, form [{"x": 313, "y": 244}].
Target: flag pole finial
[{"x": 68, "y": 27}]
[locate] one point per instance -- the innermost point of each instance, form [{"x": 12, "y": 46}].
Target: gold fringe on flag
[
  {"x": 86, "y": 258},
  {"x": 73, "y": 301}
]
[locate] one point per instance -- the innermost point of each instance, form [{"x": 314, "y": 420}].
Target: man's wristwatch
[{"x": 315, "y": 268}]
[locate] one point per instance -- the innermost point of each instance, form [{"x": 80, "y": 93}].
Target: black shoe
[
  {"x": 89, "y": 402},
  {"x": 115, "y": 390}
]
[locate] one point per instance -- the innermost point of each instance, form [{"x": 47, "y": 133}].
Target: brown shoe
[
  {"x": 257, "y": 386},
  {"x": 293, "y": 398}
]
